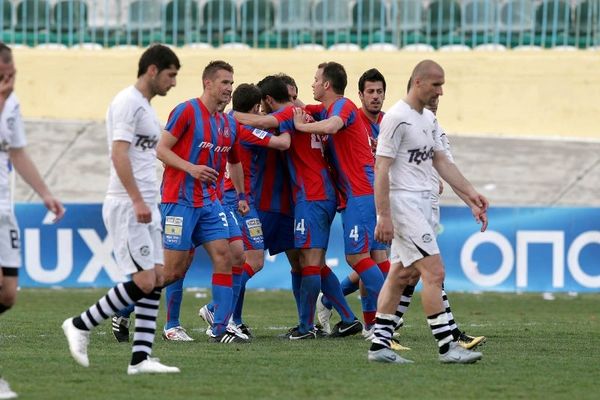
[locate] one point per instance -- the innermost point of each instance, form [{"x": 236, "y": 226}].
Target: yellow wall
[{"x": 509, "y": 93}]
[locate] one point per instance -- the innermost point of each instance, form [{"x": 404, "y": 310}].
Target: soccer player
[
  {"x": 13, "y": 154},
  {"x": 351, "y": 159},
  {"x": 466, "y": 341},
  {"x": 314, "y": 208},
  {"x": 131, "y": 214},
  {"x": 408, "y": 149},
  {"x": 371, "y": 91},
  {"x": 197, "y": 143},
  {"x": 247, "y": 99}
]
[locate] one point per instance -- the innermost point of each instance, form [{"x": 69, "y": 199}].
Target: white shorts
[
  {"x": 414, "y": 235},
  {"x": 10, "y": 242},
  {"x": 435, "y": 213},
  {"x": 137, "y": 247}
]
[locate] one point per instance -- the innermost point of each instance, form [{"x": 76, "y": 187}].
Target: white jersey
[
  {"x": 410, "y": 138},
  {"x": 130, "y": 118},
  {"x": 12, "y": 135},
  {"x": 435, "y": 178}
]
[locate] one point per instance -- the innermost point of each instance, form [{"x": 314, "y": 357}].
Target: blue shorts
[
  {"x": 358, "y": 220},
  {"x": 189, "y": 227},
  {"x": 278, "y": 231},
  {"x": 375, "y": 245},
  {"x": 249, "y": 225},
  {"x": 312, "y": 223},
  {"x": 234, "y": 224}
]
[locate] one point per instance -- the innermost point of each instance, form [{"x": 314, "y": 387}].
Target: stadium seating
[
  {"x": 289, "y": 23},
  {"x": 70, "y": 20},
  {"x": 182, "y": 22}
]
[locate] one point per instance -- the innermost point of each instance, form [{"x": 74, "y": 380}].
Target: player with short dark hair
[
  {"x": 131, "y": 214},
  {"x": 350, "y": 157}
]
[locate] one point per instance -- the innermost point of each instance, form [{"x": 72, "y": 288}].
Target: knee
[{"x": 434, "y": 276}]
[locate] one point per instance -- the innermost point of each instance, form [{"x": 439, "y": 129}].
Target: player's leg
[
  {"x": 358, "y": 221},
  {"x": 119, "y": 220},
  {"x": 385, "y": 320},
  {"x": 432, "y": 278},
  {"x": 252, "y": 235},
  {"x": 9, "y": 281}
]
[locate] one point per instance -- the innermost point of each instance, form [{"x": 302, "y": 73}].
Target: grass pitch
[{"x": 536, "y": 349}]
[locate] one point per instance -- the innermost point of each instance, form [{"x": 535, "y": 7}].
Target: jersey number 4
[
  {"x": 354, "y": 233},
  {"x": 300, "y": 226}
]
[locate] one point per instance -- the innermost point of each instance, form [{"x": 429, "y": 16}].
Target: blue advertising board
[{"x": 524, "y": 249}]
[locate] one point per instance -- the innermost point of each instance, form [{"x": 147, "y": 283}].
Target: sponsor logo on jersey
[
  {"x": 418, "y": 156},
  {"x": 146, "y": 142},
  {"x": 259, "y": 133},
  {"x": 216, "y": 149}
]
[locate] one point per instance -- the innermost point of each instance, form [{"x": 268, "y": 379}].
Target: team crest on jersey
[
  {"x": 145, "y": 251},
  {"x": 226, "y": 132}
]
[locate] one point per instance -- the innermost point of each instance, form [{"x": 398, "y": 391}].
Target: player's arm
[
  {"x": 256, "y": 120},
  {"x": 122, "y": 163},
  {"x": 30, "y": 174},
  {"x": 280, "y": 142},
  {"x": 462, "y": 187},
  {"x": 165, "y": 153},
  {"x": 384, "y": 230},
  {"x": 236, "y": 174},
  {"x": 329, "y": 126}
]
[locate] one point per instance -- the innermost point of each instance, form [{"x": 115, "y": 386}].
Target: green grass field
[{"x": 535, "y": 349}]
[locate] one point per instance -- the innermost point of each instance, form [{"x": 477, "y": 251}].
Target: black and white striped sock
[
  {"x": 146, "y": 312},
  {"x": 451, "y": 322},
  {"x": 403, "y": 305},
  {"x": 116, "y": 299},
  {"x": 384, "y": 330},
  {"x": 441, "y": 330}
]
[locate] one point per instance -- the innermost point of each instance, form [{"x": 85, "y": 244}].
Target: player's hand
[
  {"x": 243, "y": 207},
  {"x": 299, "y": 116},
  {"x": 480, "y": 201},
  {"x": 203, "y": 173},
  {"x": 373, "y": 143},
  {"x": 384, "y": 230},
  {"x": 481, "y": 217},
  {"x": 143, "y": 214},
  {"x": 55, "y": 207}
]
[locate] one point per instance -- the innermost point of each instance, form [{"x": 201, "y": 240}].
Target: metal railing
[{"x": 289, "y": 23}]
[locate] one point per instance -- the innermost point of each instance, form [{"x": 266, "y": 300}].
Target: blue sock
[
  {"x": 296, "y": 283},
  {"x": 348, "y": 286},
  {"x": 246, "y": 275},
  {"x": 331, "y": 287},
  {"x": 125, "y": 312},
  {"x": 173, "y": 297},
  {"x": 369, "y": 308},
  {"x": 222, "y": 297},
  {"x": 236, "y": 287},
  {"x": 309, "y": 291},
  {"x": 211, "y": 305},
  {"x": 371, "y": 277}
]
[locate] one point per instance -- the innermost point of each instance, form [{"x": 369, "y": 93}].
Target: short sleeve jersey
[
  {"x": 348, "y": 150},
  {"x": 249, "y": 138},
  {"x": 202, "y": 139},
  {"x": 372, "y": 127},
  {"x": 12, "y": 135},
  {"x": 410, "y": 138},
  {"x": 131, "y": 118},
  {"x": 308, "y": 169},
  {"x": 435, "y": 178}
]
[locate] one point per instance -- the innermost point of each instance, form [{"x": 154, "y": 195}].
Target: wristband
[{"x": 241, "y": 196}]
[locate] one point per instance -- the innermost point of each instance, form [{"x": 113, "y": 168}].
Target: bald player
[{"x": 408, "y": 150}]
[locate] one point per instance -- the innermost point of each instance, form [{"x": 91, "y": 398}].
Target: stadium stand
[{"x": 289, "y": 23}]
